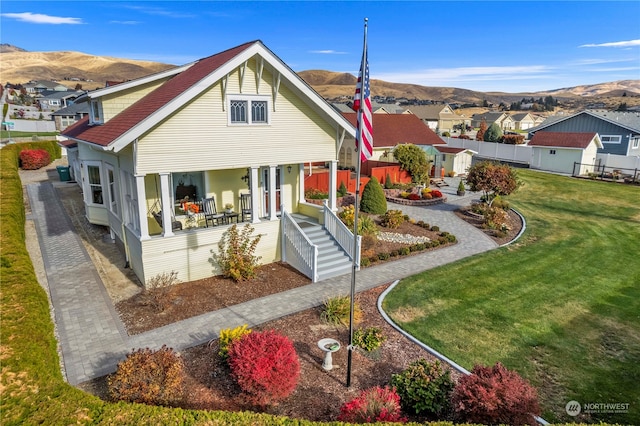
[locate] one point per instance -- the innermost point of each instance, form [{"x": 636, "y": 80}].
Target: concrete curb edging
[
  {"x": 524, "y": 228},
  {"x": 428, "y": 348}
]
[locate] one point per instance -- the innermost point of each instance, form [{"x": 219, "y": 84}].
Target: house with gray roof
[
  {"x": 619, "y": 131},
  {"x": 65, "y": 117},
  {"x": 439, "y": 118}
]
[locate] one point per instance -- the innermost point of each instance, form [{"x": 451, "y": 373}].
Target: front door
[{"x": 265, "y": 190}]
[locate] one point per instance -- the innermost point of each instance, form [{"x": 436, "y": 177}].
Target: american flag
[{"x": 364, "y": 127}]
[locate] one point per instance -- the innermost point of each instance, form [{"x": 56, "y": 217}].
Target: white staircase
[{"x": 332, "y": 259}]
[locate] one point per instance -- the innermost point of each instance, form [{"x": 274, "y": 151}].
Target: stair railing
[
  {"x": 341, "y": 234},
  {"x": 297, "y": 248}
]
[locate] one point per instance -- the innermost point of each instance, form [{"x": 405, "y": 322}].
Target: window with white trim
[
  {"x": 130, "y": 212},
  {"x": 610, "y": 138},
  {"x": 93, "y": 183},
  {"x": 96, "y": 112},
  {"x": 635, "y": 142},
  {"x": 112, "y": 190},
  {"x": 248, "y": 110}
]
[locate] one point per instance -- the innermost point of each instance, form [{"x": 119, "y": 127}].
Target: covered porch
[{"x": 175, "y": 228}]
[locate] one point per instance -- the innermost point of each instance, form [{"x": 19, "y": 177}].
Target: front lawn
[{"x": 561, "y": 306}]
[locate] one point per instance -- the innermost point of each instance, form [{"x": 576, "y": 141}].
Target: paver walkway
[{"x": 93, "y": 340}]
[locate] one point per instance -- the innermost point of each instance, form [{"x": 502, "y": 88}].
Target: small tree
[
  {"x": 373, "y": 199},
  {"x": 342, "y": 190},
  {"x": 481, "y": 130},
  {"x": 413, "y": 159},
  {"x": 492, "y": 179},
  {"x": 493, "y": 133},
  {"x": 388, "y": 184}
]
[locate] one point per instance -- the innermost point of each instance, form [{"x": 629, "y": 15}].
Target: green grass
[
  {"x": 4, "y": 134},
  {"x": 561, "y": 306}
]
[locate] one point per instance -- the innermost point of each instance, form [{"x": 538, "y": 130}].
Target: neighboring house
[
  {"x": 523, "y": 121},
  {"x": 65, "y": 117},
  {"x": 456, "y": 160},
  {"x": 500, "y": 118},
  {"x": 389, "y": 130},
  {"x": 35, "y": 87},
  {"x": 440, "y": 118},
  {"x": 619, "y": 131},
  {"x": 236, "y": 127},
  {"x": 51, "y": 100},
  {"x": 564, "y": 152}
]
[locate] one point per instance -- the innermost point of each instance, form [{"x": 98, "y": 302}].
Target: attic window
[{"x": 248, "y": 110}]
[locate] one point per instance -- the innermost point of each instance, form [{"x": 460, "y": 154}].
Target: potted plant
[
  {"x": 228, "y": 207},
  {"x": 461, "y": 189}
]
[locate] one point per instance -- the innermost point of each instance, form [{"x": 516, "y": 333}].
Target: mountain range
[{"x": 71, "y": 68}]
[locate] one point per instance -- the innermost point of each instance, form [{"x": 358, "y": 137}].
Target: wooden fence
[{"x": 378, "y": 169}]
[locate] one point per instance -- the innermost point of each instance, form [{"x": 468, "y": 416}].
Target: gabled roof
[
  {"x": 394, "y": 129},
  {"x": 520, "y": 116},
  {"x": 627, "y": 120},
  {"x": 432, "y": 112},
  {"x": 73, "y": 109},
  {"x": 452, "y": 150},
  {"x": 489, "y": 117},
  {"x": 192, "y": 80},
  {"x": 565, "y": 139}
]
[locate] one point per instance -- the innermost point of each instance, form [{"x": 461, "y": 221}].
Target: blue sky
[{"x": 510, "y": 46}]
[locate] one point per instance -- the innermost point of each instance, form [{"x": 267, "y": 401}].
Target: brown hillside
[{"x": 21, "y": 67}]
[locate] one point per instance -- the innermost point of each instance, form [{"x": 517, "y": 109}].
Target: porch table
[{"x": 229, "y": 216}]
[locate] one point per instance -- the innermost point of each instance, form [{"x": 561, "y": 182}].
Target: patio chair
[
  {"x": 211, "y": 213},
  {"x": 245, "y": 206}
]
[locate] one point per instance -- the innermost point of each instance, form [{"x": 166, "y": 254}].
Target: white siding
[{"x": 190, "y": 252}]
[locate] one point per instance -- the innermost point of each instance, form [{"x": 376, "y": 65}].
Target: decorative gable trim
[{"x": 221, "y": 73}]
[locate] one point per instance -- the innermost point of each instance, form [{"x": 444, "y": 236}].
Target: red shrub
[
  {"x": 265, "y": 365},
  {"x": 495, "y": 395},
  {"x": 413, "y": 196},
  {"x": 34, "y": 159},
  {"x": 373, "y": 405},
  {"x": 436, "y": 193}
]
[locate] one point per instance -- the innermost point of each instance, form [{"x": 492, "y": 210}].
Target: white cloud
[
  {"x": 125, "y": 22},
  {"x": 451, "y": 75},
  {"x": 38, "y": 18},
  {"x": 629, "y": 43},
  {"x": 328, "y": 52},
  {"x": 157, "y": 11}
]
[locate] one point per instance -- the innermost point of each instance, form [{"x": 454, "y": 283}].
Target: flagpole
[{"x": 356, "y": 206}]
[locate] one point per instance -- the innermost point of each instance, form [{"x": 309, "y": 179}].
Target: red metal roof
[
  {"x": 562, "y": 139},
  {"x": 108, "y": 132},
  {"x": 450, "y": 150},
  {"x": 395, "y": 129}
]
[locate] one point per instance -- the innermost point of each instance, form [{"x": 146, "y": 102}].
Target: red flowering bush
[
  {"x": 495, "y": 395},
  {"x": 373, "y": 405},
  {"x": 265, "y": 365},
  {"x": 34, "y": 159},
  {"x": 413, "y": 196},
  {"x": 436, "y": 193}
]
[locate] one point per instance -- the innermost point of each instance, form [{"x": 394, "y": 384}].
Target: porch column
[
  {"x": 255, "y": 195},
  {"x": 301, "y": 176},
  {"x": 333, "y": 177},
  {"x": 165, "y": 200},
  {"x": 272, "y": 193},
  {"x": 142, "y": 207}
]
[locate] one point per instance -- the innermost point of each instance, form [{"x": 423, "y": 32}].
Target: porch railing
[
  {"x": 298, "y": 250},
  {"x": 342, "y": 234}
]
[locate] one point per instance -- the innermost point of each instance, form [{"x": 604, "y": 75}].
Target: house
[
  {"x": 233, "y": 128},
  {"x": 440, "y": 118},
  {"x": 53, "y": 100},
  {"x": 564, "y": 152},
  {"x": 65, "y": 117},
  {"x": 619, "y": 131},
  {"x": 389, "y": 130},
  {"x": 523, "y": 121},
  {"x": 500, "y": 118},
  {"x": 35, "y": 87}
]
